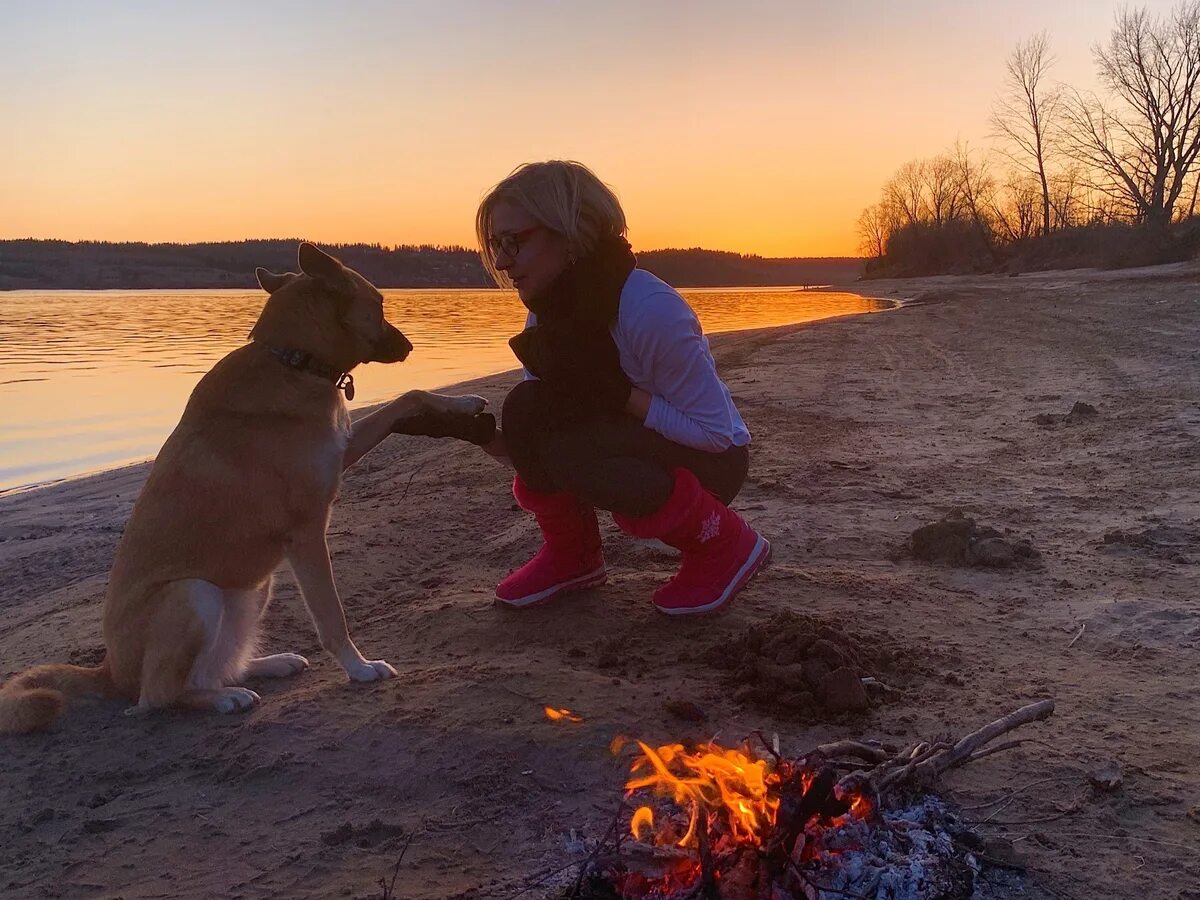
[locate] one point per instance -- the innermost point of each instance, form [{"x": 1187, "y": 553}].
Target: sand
[{"x": 865, "y": 429}]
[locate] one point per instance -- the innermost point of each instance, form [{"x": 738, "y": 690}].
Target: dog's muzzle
[{"x": 392, "y": 346}]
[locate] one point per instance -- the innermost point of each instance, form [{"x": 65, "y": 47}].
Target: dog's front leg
[
  {"x": 309, "y": 559},
  {"x": 390, "y": 418}
]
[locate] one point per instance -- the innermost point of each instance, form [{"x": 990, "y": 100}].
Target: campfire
[{"x": 846, "y": 819}]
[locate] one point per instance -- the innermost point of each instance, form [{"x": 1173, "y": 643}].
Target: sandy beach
[{"x": 865, "y": 428}]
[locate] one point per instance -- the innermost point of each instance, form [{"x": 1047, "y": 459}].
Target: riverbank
[{"x": 865, "y": 428}]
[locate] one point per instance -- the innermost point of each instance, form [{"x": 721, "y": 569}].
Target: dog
[{"x": 246, "y": 480}]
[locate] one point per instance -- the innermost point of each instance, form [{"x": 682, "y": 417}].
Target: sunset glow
[{"x": 757, "y": 127}]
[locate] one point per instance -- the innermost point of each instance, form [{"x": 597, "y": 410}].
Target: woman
[{"x": 621, "y": 409}]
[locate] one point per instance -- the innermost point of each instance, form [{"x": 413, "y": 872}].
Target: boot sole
[
  {"x": 594, "y": 578},
  {"x": 758, "y": 556}
]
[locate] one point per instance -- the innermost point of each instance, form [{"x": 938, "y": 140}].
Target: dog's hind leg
[
  {"x": 253, "y": 604},
  {"x": 189, "y": 653}
]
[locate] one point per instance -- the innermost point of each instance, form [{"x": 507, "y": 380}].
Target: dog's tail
[{"x": 32, "y": 700}]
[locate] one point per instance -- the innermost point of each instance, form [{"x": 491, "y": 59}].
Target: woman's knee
[
  {"x": 526, "y": 409},
  {"x": 569, "y": 457}
]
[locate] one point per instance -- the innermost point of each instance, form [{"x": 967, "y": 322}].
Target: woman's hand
[
  {"x": 496, "y": 448},
  {"x": 583, "y": 364},
  {"x": 638, "y": 404}
]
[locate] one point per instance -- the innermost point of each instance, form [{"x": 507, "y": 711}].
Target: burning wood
[{"x": 724, "y": 824}]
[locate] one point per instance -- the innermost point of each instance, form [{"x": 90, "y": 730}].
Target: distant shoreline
[{"x": 92, "y": 265}]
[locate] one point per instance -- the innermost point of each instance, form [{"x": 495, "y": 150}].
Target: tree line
[
  {"x": 1105, "y": 177},
  {"x": 50, "y": 264}
]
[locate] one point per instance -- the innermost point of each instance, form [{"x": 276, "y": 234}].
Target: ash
[{"x": 919, "y": 852}]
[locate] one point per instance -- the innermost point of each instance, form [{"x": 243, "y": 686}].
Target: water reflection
[{"x": 94, "y": 379}]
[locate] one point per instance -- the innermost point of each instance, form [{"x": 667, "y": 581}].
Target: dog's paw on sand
[
  {"x": 235, "y": 699},
  {"x": 370, "y": 670},
  {"x": 277, "y": 665}
]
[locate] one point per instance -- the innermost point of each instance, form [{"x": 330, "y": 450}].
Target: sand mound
[
  {"x": 798, "y": 664},
  {"x": 1162, "y": 542},
  {"x": 1080, "y": 412},
  {"x": 957, "y": 540}
]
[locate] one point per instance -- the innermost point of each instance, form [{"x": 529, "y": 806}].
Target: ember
[
  {"x": 719, "y": 823},
  {"x": 561, "y": 715}
]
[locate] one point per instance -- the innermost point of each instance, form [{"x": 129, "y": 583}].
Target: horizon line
[{"x": 390, "y": 247}]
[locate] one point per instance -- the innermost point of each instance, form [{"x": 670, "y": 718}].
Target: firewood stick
[
  {"x": 923, "y": 761},
  {"x": 921, "y": 754},
  {"x": 962, "y": 751},
  {"x": 1007, "y": 745},
  {"x": 706, "y": 889},
  {"x": 855, "y": 749}
]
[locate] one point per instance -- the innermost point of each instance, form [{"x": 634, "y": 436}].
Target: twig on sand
[
  {"x": 1076, "y": 805},
  {"x": 389, "y": 887},
  {"x": 1014, "y": 793},
  {"x": 1078, "y": 635},
  {"x": 591, "y": 857},
  {"x": 1098, "y": 835},
  {"x": 538, "y": 880},
  {"x": 410, "y": 481}
]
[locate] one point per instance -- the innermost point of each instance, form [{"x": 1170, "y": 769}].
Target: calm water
[{"x": 94, "y": 379}]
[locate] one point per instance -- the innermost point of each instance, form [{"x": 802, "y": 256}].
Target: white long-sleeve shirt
[{"x": 665, "y": 353}]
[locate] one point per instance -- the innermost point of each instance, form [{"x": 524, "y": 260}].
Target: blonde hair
[{"x": 564, "y": 196}]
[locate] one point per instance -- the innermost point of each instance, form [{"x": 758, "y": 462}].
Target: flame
[
  {"x": 643, "y": 817},
  {"x": 561, "y": 715},
  {"x": 710, "y": 778},
  {"x": 731, "y": 799}
]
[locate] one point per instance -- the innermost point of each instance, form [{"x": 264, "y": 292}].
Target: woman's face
[{"x": 531, "y": 254}]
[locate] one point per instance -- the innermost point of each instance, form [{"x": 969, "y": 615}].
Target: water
[{"x": 95, "y": 379}]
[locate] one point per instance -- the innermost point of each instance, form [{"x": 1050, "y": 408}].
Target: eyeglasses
[{"x": 510, "y": 242}]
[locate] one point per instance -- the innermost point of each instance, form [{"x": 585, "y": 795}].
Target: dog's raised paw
[
  {"x": 468, "y": 405},
  {"x": 235, "y": 699},
  {"x": 371, "y": 670}
]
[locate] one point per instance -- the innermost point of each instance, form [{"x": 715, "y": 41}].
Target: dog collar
[{"x": 306, "y": 362}]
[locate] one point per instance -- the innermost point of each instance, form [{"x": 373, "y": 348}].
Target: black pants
[{"x": 612, "y": 461}]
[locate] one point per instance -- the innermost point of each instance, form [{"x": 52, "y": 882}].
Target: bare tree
[
  {"x": 1145, "y": 139},
  {"x": 1017, "y": 207},
  {"x": 874, "y": 230},
  {"x": 1065, "y": 198},
  {"x": 905, "y": 192},
  {"x": 976, "y": 189},
  {"x": 1026, "y": 114},
  {"x": 941, "y": 189}
]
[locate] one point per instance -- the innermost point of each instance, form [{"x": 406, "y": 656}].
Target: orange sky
[{"x": 758, "y": 127}]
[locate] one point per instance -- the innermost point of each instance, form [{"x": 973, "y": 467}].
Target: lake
[{"x": 90, "y": 380}]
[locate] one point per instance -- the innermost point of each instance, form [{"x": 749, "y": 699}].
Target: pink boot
[
  {"x": 720, "y": 551},
  {"x": 570, "y": 559}
]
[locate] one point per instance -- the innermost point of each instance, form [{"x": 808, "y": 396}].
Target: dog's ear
[
  {"x": 271, "y": 282},
  {"x": 320, "y": 265}
]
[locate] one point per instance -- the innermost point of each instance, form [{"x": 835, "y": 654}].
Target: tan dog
[{"x": 246, "y": 480}]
